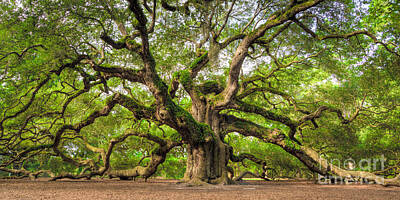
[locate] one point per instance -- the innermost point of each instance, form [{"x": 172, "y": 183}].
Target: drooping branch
[
  {"x": 111, "y": 102},
  {"x": 105, "y": 156},
  {"x": 241, "y": 157},
  {"x": 248, "y": 128},
  {"x": 138, "y": 110},
  {"x": 37, "y": 88},
  {"x": 26, "y": 106},
  {"x": 310, "y": 158},
  {"x": 158, "y": 156},
  {"x": 330, "y": 168}
]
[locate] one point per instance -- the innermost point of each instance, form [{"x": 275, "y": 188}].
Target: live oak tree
[{"x": 297, "y": 74}]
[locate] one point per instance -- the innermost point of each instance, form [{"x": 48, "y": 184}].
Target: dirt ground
[{"x": 169, "y": 189}]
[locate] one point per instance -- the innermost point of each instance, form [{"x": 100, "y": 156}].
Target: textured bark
[{"x": 207, "y": 162}]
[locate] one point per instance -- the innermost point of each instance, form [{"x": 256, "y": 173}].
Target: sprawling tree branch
[
  {"x": 158, "y": 155},
  {"x": 127, "y": 74},
  {"x": 242, "y": 106},
  {"x": 306, "y": 155},
  {"x": 242, "y": 50},
  {"x": 345, "y": 36}
]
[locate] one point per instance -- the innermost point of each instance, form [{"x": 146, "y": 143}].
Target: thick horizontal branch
[
  {"x": 138, "y": 110},
  {"x": 249, "y": 108},
  {"x": 234, "y": 38},
  {"x": 248, "y": 128},
  {"x": 241, "y": 157},
  {"x": 127, "y": 74},
  {"x": 116, "y": 45}
]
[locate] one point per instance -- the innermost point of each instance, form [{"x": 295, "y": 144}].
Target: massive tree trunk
[{"x": 207, "y": 162}]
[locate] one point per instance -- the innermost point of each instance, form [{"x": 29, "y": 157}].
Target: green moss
[
  {"x": 216, "y": 98},
  {"x": 198, "y": 60},
  {"x": 206, "y": 132},
  {"x": 135, "y": 107},
  {"x": 156, "y": 150},
  {"x": 210, "y": 86},
  {"x": 109, "y": 99},
  {"x": 199, "y": 132},
  {"x": 159, "y": 83},
  {"x": 184, "y": 79},
  {"x": 291, "y": 144},
  {"x": 132, "y": 42}
]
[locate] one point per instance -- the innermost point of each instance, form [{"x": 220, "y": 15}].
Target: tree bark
[{"x": 207, "y": 162}]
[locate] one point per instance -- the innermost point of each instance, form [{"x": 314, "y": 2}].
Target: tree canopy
[{"x": 199, "y": 90}]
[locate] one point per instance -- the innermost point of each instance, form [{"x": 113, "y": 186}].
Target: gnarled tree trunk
[{"x": 207, "y": 162}]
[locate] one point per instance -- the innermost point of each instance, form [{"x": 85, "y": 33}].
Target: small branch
[
  {"x": 226, "y": 20},
  {"x": 23, "y": 52}
]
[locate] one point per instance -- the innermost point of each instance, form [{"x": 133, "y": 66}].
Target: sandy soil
[{"x": 167, "y": 189}]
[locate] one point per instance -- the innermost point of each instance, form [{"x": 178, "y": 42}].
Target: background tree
[{"x": 103, "y": 84}]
